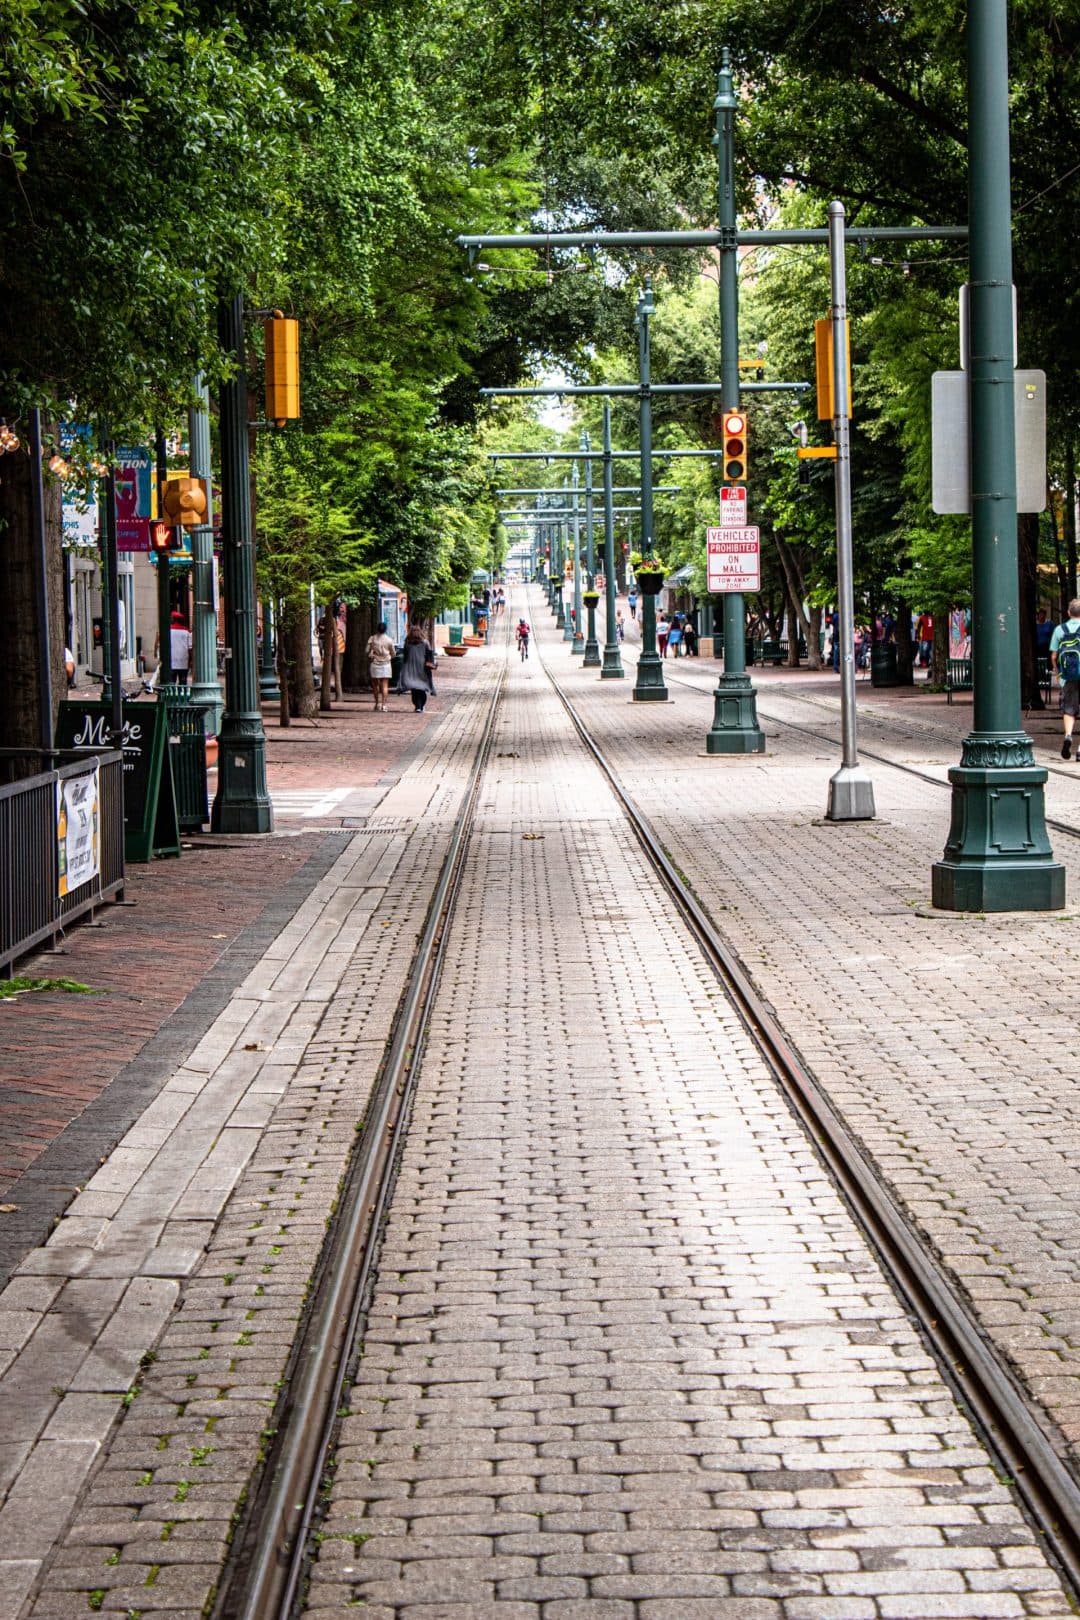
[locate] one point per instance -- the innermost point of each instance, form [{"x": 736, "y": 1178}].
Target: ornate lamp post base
[
  {"x": 242, "y": 803},
  {"x": 649, "y": 686},
  {"x": 998, "y": 855},
  {"x": 592, "y": 646},
  {"x": 735, "y": 728},
  {"x": 612, "y": 669}
]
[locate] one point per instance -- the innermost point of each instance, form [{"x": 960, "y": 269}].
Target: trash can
[
  {"x": 456, "y": 633},
  {"x": 187, "y": 755},
  {"x": 396, "y": 661},
  {"x": 883, "y": 664}
]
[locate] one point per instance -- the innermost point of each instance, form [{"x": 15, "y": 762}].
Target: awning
[{"x": 682, "y": 576}]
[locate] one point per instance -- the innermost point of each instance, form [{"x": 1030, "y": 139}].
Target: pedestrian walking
[
  {"x": 179, "y": 649},
  {"x": 380, "y": 651},
  {"x": 1065, "y": 660},
  {"x": 417, "y": 668},
  {"x": 689, "y": 639},
  {"x": 620, "y": 627},
  {"x": 663, "y": 626},
  {"x": 631, "y": 602},
  {"x": 674, "y": 639}
]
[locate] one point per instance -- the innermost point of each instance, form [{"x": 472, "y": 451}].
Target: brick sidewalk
[
  {"x": 76, "y": 1069},
  {"x": 944, "y": 1040}
]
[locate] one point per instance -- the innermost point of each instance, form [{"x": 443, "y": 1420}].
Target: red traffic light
[{"x": 734, "y": 447}]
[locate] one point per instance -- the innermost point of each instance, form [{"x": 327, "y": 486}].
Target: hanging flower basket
[
  {"x": 650, "y": 583},
  {"x": 590, "y": 598}
]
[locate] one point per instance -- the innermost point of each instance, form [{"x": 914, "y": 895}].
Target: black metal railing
[{"x": 32, "y": 908}]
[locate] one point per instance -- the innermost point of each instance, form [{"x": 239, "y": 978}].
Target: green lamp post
[
  {"x": 735, "y": 728},
  {"x": 592, "y": 646},
  {"x": 998, "y": 855},
  {"x": 649, "y": 685},
  {"x": 612, "y": 669},
  {"x": 242, "y": 803},
  {"x": 577, "y": 644}
]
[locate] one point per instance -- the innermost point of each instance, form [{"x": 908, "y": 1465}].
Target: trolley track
[
  {"x": 869, "y": 753},
  {"x": 264, "y": 1577},
  {"x": 968, "y": 1361}
]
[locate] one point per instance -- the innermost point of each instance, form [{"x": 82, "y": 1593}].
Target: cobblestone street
[{"x": 628, "y": 1354}]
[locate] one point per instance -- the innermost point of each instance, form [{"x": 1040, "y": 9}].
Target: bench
[
  {"x": 774, "y": 652},
  {"x": 957, "y": 676}
]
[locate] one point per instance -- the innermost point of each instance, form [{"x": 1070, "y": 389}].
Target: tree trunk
[
  {"x": 813, "y": 640},
  {"x": 1070, "y": 528},
  {"x": 303, "y": 700},
  {"x": 282, "y": 665},
  {"x": 810, "y": 626},
  {"x": 22, "y": 638},
  {"x": 939, "y": 655},
  {"x": 1027, "y": 534},
  {"x": 905, "y": 647},
  {"x": 358, "y": 627}
]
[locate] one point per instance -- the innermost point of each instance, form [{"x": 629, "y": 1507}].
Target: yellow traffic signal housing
[
  {"x": 185, "y": 502},
  {"x": 734, "y": 457},
  {"x": 823, "y": 354},
  {"x": 282, "y": 369}
]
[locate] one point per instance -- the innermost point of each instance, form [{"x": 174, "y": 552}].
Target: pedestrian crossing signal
[{"x": 734, "y": 460}]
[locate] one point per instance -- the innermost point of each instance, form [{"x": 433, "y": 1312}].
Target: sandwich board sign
[{"x": 151, "y": 826}]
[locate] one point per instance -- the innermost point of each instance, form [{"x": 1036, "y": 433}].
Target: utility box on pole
[{"x": 951, "y": 443}]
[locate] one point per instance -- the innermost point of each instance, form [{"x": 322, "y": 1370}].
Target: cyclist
[{"x": 523, "y": 638}]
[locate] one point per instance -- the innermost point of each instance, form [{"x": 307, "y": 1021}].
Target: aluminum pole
[
  {"x": 851, "y": 793},
  {"x": 577, "y": 640}
]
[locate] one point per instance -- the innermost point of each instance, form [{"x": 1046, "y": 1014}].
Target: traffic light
[
  {"x": 184, "y": 502},
  {"x": 282, "y": 337},
  {"x": 734, "y": 462}
]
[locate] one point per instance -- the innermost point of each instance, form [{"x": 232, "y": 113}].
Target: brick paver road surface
[{"x": 628, "y": 1355}]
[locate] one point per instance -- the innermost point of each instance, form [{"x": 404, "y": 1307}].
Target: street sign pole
[
  {"x": 592, "y": 646},
  {"x": 735, "y": 728},
  {"x": 851, "y": 792}
]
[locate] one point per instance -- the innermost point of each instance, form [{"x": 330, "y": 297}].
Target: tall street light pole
[
  {"x": 611, "y": 669},
  {"x": 205, "y": 688},
  {"x": 578, "y": 637},
  {"x": 592, "y": 647},
  {"x": 851, "y": 792},
  {"x": 242, "y": 803},
  {"x": 998, "y": 855},
  {"x": 735, "y": 728},
  {"x": 649, "y": 685}
]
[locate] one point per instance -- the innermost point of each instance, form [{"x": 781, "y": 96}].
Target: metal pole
[
  {"x": 612, "y": 669},
  {"x": 578, "y": 641},
  {"x": 649, "y": 685},
  {"x": 242, "y": 803},
  {"x": 41, "y": 585},
  {"x": 851, "y": 792},
  {"x": 592, "y": 648},
  {"x": 205, "y": 687},
  {"x": 735, "y": 728},
  {"x": 164, "y": 599},
  {"x": 998, "y": 855}
]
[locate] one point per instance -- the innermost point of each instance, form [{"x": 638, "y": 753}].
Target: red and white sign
[
  {"x": 733, "y": 507},
  {"x": 734, "y": 559}
]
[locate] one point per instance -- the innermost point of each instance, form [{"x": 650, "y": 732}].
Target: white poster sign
[
  {"x": 734, "y": 559},
  {"x": 77, "y": 829}
]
